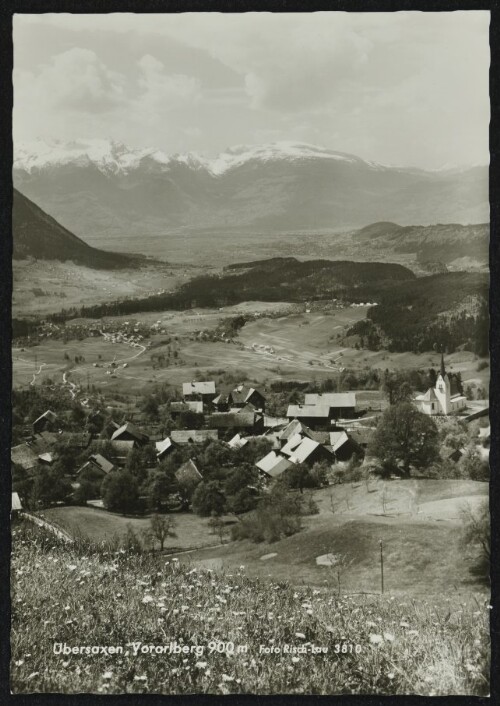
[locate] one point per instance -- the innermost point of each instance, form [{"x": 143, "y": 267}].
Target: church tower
[{"x": 443, "y": 389}]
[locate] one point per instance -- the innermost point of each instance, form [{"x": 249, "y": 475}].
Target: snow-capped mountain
[{"x": 104, "y": 190}]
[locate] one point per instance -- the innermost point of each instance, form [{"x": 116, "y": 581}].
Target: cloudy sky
[{"x": 404, "y": 88}]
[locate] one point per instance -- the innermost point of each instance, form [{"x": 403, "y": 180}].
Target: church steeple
[{"x": 443, "y": 371}]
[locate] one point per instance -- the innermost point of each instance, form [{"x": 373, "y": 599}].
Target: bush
[{"x": 277, "y": 515}]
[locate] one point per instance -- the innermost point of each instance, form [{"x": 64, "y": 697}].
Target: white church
[{"x": 438, "y": 399}]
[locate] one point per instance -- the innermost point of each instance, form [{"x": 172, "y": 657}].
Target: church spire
[{"x": 443, "y": 371}]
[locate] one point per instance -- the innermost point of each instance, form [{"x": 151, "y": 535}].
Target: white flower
[
  {"x": 141, "y": 678},
  {"x": 301, "y": 635},
  {"x": 391, "y": 675},
  {"x": 201, "y": 665},
  {"x": 388, "y": 636},
  {"x": 226, "y": 677},
  {"x": 404, "y": 624},
  {"x": 376, "y": 639},
  {"x": 107, "y": 675},
  {"x": 72, "y": 567},
  {"x": 147, "y": 599},
  {"x": 295, "y": 659}
]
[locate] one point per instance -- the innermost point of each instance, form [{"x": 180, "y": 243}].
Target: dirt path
[{"x": 60, "y": 533}]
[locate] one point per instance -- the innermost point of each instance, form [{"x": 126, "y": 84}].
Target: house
[
  {"x": 163, "y": 448},
  {"x": 15, "y": 504},
  {"x": 294, "y": 427},
  {"x": 129, "y": 432},
  {"x": 243, "y": 395},
  {"x": 273, "y": 464},
  {"x": 193, "y": 436},
  {"x": 341, "y": 404},
  {"x": 177, "y": 408},
  {"x": 361, "y": 435},
  {"x": 97, "y": 465},
  {"x": 314, "y": 416},
  {"x": 204, "y": 391},
  {"x": 277, "y": 423},
  {"x": 237, "y": 442},
  {"x": 440, "y": 399},
  {"x": 188, "y": 474},
  {"x": 24, "y": 457},
  {"x": 221, "y": 403},
  {"x": 45, "y": 422},
  {"x": 122, "y": 449},
  {"x": 47, "y": 459},
  {"x": 302, "y": 449},
  {"x": 248, "y": 422},
  {"x": 344, "y": 446}
]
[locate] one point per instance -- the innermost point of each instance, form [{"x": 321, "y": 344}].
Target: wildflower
[
  {"x": 19, "y": 662},
  {"x": 404, "y": 624},
  {"x": 107, "y": 675},
  {"x": 301, "y": 635},
  {"x": 371, "y": 624},
  {"x": 147, "y": 599},
  {"x": 391, "y": 675},
  {"x": 72, "y": 567},
  {"x": 376, "y": 639},
  {"x": 201, "y": 665},
  {"x": 226, "y": 677},
  {"x": 141, "y": 678},
  {"x": 295, "y": 659},
  {"x": 388, "y": 636}
]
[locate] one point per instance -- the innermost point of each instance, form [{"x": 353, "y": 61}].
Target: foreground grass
[{"x": 66, "y": 594}]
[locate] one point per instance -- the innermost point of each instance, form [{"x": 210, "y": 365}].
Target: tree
[
  {"x": 396, "y": 388},
  {"x": 120, "y": 491},
  {"x": 161, "y": 527},
  {"x": 49, "y": 487},
  {"x": 208, "y": 498},
  {"x": 216, "y": 524},
  {"x": 298, "y": 476},
  {"x": 159, "y": 484},
  {"x": 405, "y": 437}
]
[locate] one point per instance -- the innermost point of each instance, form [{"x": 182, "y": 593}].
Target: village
[{"x": 209, "y": 437}]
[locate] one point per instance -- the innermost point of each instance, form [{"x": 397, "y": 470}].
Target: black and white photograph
[{"x": 250, "y": 353}]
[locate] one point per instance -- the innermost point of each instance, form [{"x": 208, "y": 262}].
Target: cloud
[{"x": 163, "y": 92}]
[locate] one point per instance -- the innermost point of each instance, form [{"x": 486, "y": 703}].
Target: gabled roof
[
  {"x": 131, "y": 429},
  {"x": 220, "y": 399},
  {"x": 22, "y": 455},
  {"x": 237, "y": 442},
  {"x": 302, "y": 452},
  {"x": 188, "y": 472},
  {"x": 331, "y": 399},
  {"x": 248, "y": 408},
  {"x": 198, "y": 388},
  {"x": 163, "y": 446},
  {"x": 308, "y": 411},
  {"x": 273, "y": 464},
  {"x": 293, "y": 442},
  {"x": 338, "y": 439},
  {"x": 123, "y": 445},
  {"x": 46, "y": 457},
  {"x": 81, "y": 439},
  {"x": 103, "y": 463},
  {"x": 193, "y": 436},
  {"x": 242, "y": 394},
  {"x": 274, "y": 422},
  {"x": 49, "y": 415},
  {"x": 362, "y": 435},
  {"x": 295, "y": 427},
  {"x": 15, "y": 502}
]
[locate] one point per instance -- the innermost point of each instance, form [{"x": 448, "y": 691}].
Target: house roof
[
  {"x": 294, "y": 427},
  {"x": 188, "y": 472},
  {"x": 273, "y": 422},
  {"x": 331, "y": 399},
  {"x": 15, "y": 502},
  {"x": 123, "y": 445},
  {"x": 193, "y": 436},
  {"x": 198, "y": 388},
  {"x": 80, "y": 439},
  {"x": 293, "y": 442},
  {"x": 308, "y": 411},
  {"x": 131, "y": 429},
  {"x": 248, "y": 408},
  {"x": 237, "y": 442},
  {"x": 162, "y": 446},
  {"x": 49, "y": 415},
  {"x": 302, "y": 452},
  {"x": 103, "y": 463},
  {"x": 220, "y": 399},
  {"x": 362, "y": 435},
  {"x": 242, "y": 394},
  {"x": 188, "y": 406},
  {"x": 273, "y": 464},
  {"x": 46, "y": 457},
  {"x": 338, "y": 439},
  {"x": 227, "y": 420},
  {"x": 24, "y": 456}
]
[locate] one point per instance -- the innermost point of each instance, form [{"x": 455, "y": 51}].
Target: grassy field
[
  {"x": 418, "y": 521},
  {"x": 299, "y": 346},
  {"x": 239, "y": 635},
  {"x": 101, "y": 526}
]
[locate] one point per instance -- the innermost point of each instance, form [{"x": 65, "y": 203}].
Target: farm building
[
  {"x": 249, "y": 422},
  {"x": 243, "y": 395},
  {"x": 301, "y": 449},
  {"x": 221, "y": 403},
  {"x": 317, "y": 417},
  {"x": 24, "y": 457},
  {"x": 277, "y": 423},
  {"x": 129, "y": 432},
  {"x": 204, "y": 391},
  {"x": 188, "y": 475},
  {"x": 96, "y": 465},
  {"x": 237, "y": 442},
  {"x": 78, "y": 440},
  {"x": 441, "y": 399},
  {"x": 163, "y": 448},
  {"x": 344, "y": 446},
  {"x": 341, "y": 404},
  {"x": 273, "y": 464},
  {"x": 193, "y": 436},
  {"x": 45, "y": 422},
  {"x": 121, "y": 450},
  {"x": 292, "y": 428}
]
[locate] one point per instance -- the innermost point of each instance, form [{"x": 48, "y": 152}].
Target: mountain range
[
  {"x": 105, "y": 192},
  {"x": 37, "y": 235}
]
